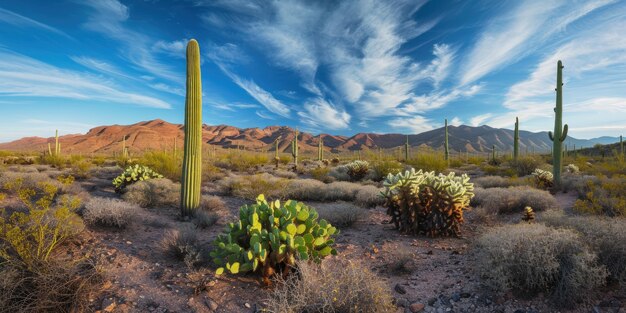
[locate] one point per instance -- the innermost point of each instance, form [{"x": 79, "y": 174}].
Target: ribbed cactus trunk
[
  {"x": 516, "y": 140},
  {"x": 192, "y": 157},
  {"x": 57, "y": 147},
  {"x": 49, "y": 149},
  {"x": 560, "y": 131},
  {"x": 406, "y": 149},
  {"x": 294, "y": 149},
  {"x": 447, "y": 152},
  {"x": 124, "y": 150},
  {"x": 320, "y": 149}
]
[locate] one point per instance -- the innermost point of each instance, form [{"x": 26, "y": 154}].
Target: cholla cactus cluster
[
  {"x": 268, "y": 238},
  {"x": 357, "y": 169},
  {"x": 528, "y": 215},
  {"x": 544, "y": 179},
  {"x": 134, "y": 174},
  {"x": 426, "y": 203},
  {"x": 572, "y": 169}
]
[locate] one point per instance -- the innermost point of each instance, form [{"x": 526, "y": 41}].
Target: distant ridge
[{"x": 160, "y": 135}]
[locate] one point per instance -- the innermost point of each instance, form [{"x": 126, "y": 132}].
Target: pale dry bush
[
  {"x": 203, "y": 219},
  {"x": 339, "y": 173},
  {"x": 109, "y": 212},
  {"x": 182, "y": 243},
  {"x": 335, "y": 286},
  {"x": 314, "y": 190},
  {"x": 340, "y": 214},
  {"x": 535, "y": 258},
  {"x": 250, "y": 186},
  {"x": 284, "y": 174},
  {"x": 153, "y": 193},
  {"x": 492, "y": 181},
  {"x": 512, "y": 200},
  {"x": 369, "y": 196},
  {"x": 605, "y": 236},
  {"x": 106, "y": 171}
]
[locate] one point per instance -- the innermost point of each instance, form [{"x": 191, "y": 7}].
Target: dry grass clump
[
  {"x": 250, "y": 186},
  {"x": 497, "y": 181},
  {"x": 401, "y": 262},
  {"x": 382, "y": 168},
  {"x": 339, "y": 173},
  {"x": 106, "y": 171},
  {"x": 204, "y": 219},
  {"x": 334, "y": 286},
  {"x": 109, "y": 212},
  {"x": 525, "y": 165},
  {"x": 242, "y": 161},
  {"x": 512, "y": 199},
  {"x": 182, "y": 243},
  {"x": 605, "y": 236},
  {"x": 164, "y": 163},
  {"x": 533, "y": 258},
  {"x": 314, "y": 190},
  {"x": 320, "y": 173},
  {"x": 14, "y": 181},
  {"x": 153, "y": 193},
  {"x": 284, "y": 174},
  {"x": 369, "y": 196},
  {"x": 212, "y": 204},
  {"x": 340, "y": 214},
  {"x": 428, "y": 162}
]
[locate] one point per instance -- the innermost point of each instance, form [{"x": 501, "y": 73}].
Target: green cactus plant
[
  {"x": 134, "y": 174},
  {"x": 320, "y": 149},
  {"x": 294, "y": 148},
  {"x": 270, "y": 237},
  {"x": 276, "y": 157},
  {"x": 560, "y": 132},
  {"x": 406, "y": 149},
  {"x": 124, "y": 149},
  {"x": 447, "y": 152},
  {"x": 192, "y": 155},
  {"x": 49, "y": 149},
  {"x": 57, "y": 145},
  {"x": 516, "y": 140}
]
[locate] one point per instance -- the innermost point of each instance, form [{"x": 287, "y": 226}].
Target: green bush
[
  {"x": 268, "y": 238},
  {"x": 384, "y": 167},
  {"x": 428, "y": 162},
  {"x": 134, "y": 174},
  {"x": 164, "y": 163},
  {"x": 525, "y": 165}
]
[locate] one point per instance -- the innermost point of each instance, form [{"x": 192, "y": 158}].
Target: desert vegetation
[{"x": 208, "y": 229}]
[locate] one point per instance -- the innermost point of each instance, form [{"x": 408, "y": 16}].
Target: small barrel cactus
[
  {"x": 528, "y": 215},
  {"x": 132, "y": 174},
  {"x": 268, "y": 238},
  {"x": 357, "y": 169},
  {"x": 426, "y": 203}
]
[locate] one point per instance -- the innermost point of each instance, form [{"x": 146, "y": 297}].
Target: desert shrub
[
  {"x": 337, "y": 286},
  {"x": 605, "y": 236},
  {"x": 535, "y": 258},
  {"x": 426, "y": 203},
  {"x": 152, "y": 193},
  {"x": 339, "y": 173},
  {"x": 203, "y": 219},
  {"x": 211, "y": 173},
  {"x": 162, "y": 162},
  {"x": 492, "y": 181},
  {"x": 340, "y": 214},
  {"x": 401, "y": 262},
  {"x": 306, "y": 190},
  {"x": 133, "y": 174},
  {"x": 249, "y": 186},
  {"x": 212, "y": 204},
  {"x": 12, "y": 182},
  {"x": 606, "y": 196},
  {"x": 109, "y": 212},
  {"x": 98, "y": 160},
  {"x": 525, "y": 165},
  {"x": 543, "y": 179},
  {"x": 357, "y": 169},
  {"x": 268, "y": 238},
  {"x": 243, "y": 161},
  {"x": 368, "y": 196},
  {"x": 428, "y": 162},
  {"x": 513, "y": 199},
  {"x": 182, "y": 243},
  {"x": 384, "y": 167},
  {"x": 320, "y": 173},
  {"x": 285, "y": 174},
  {"x": 81, "y": 168},
  {"x": 57, "y": 286}
]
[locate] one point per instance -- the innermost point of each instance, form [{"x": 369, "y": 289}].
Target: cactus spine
[
  {"x": 516, "y": 140},
  {"x": 447, "y": 152},
  {"x": 192, "y": 157},
  {"x": 406, "y": 149},
  {"x": 560, "y": 132},
  {"x": 294, "y": 148}
]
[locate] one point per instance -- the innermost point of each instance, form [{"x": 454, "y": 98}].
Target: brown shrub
[
  {"x": 512, "y": 199},
  {"x": 153, "y": 193},
  {"x": 109, "y": 212}
]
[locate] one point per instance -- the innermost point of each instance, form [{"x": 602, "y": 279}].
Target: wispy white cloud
[
  {"x": 176, "y": 48},
  {"x": 23, "y": 76},
  {"x": 259, "y": 94},
  {"x": 320, "y": 113},
  {"x": 480, "y": 119},
  {"x": 100, "y": 65},
  {"x": 456, "y": 122},
  {"x": 415, "y": 124},
  {"x": 263, "y": 115},
  {"x": 424, "y": 103},
  {"x": 514, "y": 36},
  {"x": 18, "y": 20}
]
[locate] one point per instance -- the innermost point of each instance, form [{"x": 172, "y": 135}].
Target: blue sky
[{"x": 324, "y": 66}]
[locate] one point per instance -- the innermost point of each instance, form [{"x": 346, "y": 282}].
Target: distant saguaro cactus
[
  {"x": 57, "y": 146},
  {"x": 192, "y": 158},
  {"x": 320, "y": 149},
  {"x": 294, "y": 148},
  {"x": 560, "y": 132},
  {"x": 516, "y": 140},
  {"x": 447, "y": 152}
]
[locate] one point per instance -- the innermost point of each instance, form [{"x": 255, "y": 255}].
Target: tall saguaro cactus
[
  {"x": 447, "y": 152},
  {"x": 560, "y": 131},
  {"x": 192, "y": 158},
  {"x": 57, "y": 146},
  {"x": 320, "y": 149},
  {"x": 294, "y": 149},
  {"x": 516, "y": 140},
  {"x": 406, "y": 149}
]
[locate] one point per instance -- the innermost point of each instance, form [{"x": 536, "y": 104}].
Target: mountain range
[{"x": 161, "y": 135}]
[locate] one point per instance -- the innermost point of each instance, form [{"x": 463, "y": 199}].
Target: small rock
[
  {"x": 465, "y": 294},
  {"x": 129, "y": 243},
  {"x": 247, "y": 305},
  {"x": 402, "y": 302},
  {"x": 456, "y": 297},
  {"x": 211, "y": 304},
  {"x": 432, "y": 301},
  {"x": 108, "y": 304},
  {"x": 400, "y": 289},
  {"x": 416, "y": 307}
]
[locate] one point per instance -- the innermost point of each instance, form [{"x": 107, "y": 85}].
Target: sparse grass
[
  {"x": 384, "y": 167},
  {"x": 320, "y": 173},
  {"x": 512, "y": 199},
  {"x": 605, "y": 236},
  {"x": 250, "y": 186},
  {"x": 314, "y": 190},
  {"x": 182, "y": 244},
  {"x": 428, "y": 162},
  {"x": 163, "y": 163},
  {"x": 369, "y": 196},
  {"x": 153, "y": 193},
  {"x": 334, "y": 286},
  {"x": 109, "y": 212},
  {"x": 203, "y": 219},
  {"x": 242, "y": 161},
  {"x": 535, "y": 258},
  {"x": 401, "y": 262},
  {"x": 212, "y": 204}
]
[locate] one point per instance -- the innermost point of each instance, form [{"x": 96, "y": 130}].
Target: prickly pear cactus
[
  {"x": 132, "y": 174},
  {"x": 269, "y": 237},
  {"x": 427, "y": 203}
]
